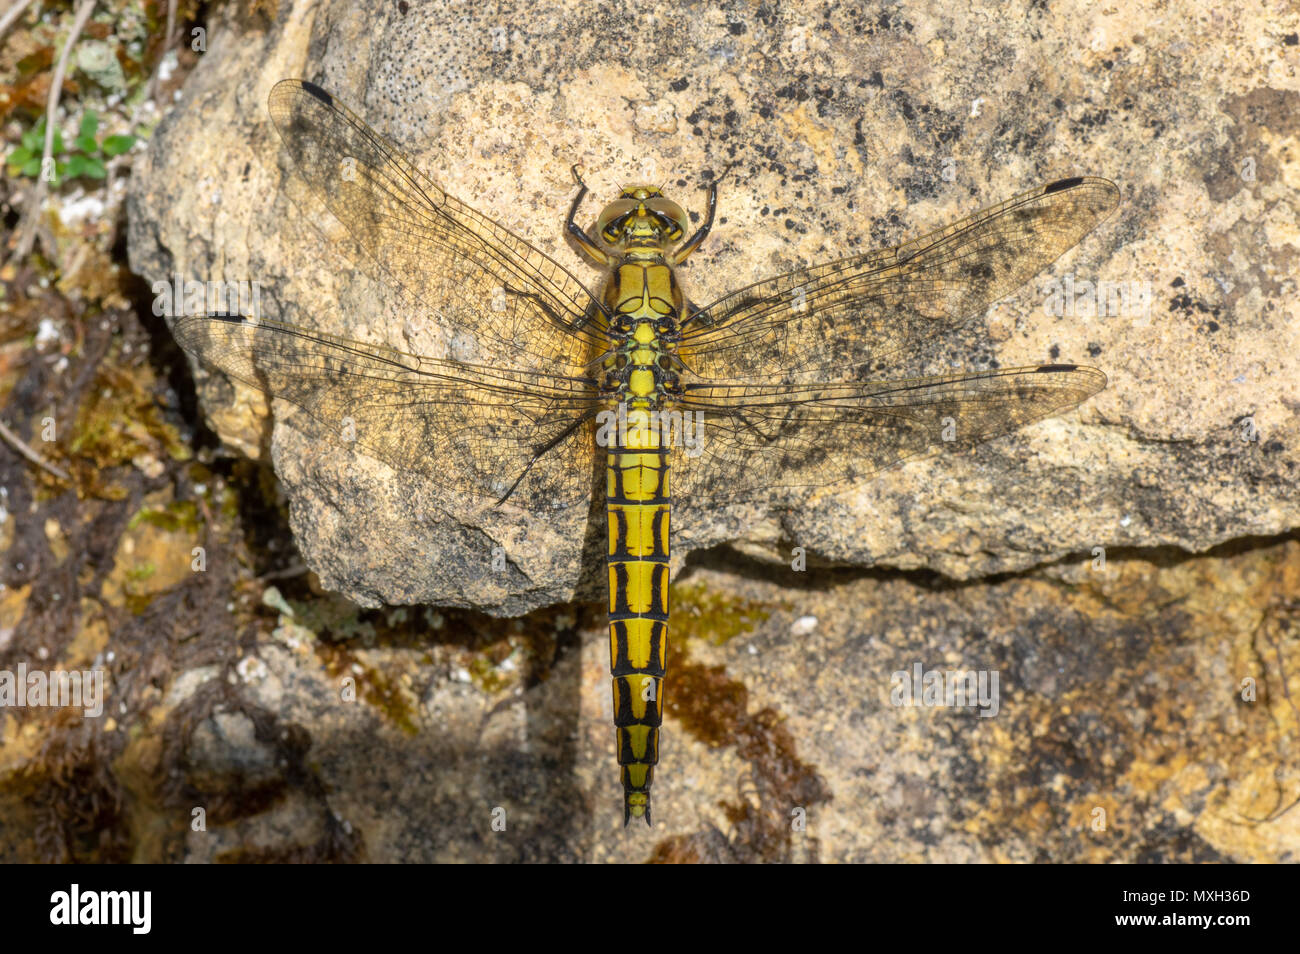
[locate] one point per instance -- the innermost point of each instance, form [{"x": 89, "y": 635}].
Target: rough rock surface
[
  {"x": 1147, "y": 688},
  {"x": 850, "y": 129}
]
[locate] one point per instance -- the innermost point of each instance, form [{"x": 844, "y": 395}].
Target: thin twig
[
  {"x": 12, "y": 14},
  {"x": 31, "y": 215},
  {"x": 151, "y": 88},
  {"x": 17, "y": 443},
  {"x": 168, "y": 38},
  {"x": 296, "y": 569}
]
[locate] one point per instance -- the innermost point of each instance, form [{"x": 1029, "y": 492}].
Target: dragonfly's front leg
[
  {"x": 694, "y": 241},
  {"x": 585, "y": 241}
]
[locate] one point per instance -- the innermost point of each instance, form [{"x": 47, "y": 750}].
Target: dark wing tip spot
[
  {"x": 1060, "y": 185},
  {"x": 319, "y": 93},
  {"x": 226, "y": 316},
  {"x": 1054, "y": 368}
]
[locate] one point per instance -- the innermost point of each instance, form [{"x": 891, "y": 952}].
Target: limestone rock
[{"x": 850, "y": 130}]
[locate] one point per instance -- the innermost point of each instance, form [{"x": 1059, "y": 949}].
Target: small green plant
[{"x": 85, "y": 158}]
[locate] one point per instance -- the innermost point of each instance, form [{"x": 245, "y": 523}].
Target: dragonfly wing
[
  {"x": 758, "y": 438},
  {"x": 471, "y": 429},
  {"x": 851, "y": 315},
  {"x": 472, "y": 273}
]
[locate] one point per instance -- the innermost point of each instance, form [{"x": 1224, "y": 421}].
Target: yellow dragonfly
[{"x": 784, "y": 384}]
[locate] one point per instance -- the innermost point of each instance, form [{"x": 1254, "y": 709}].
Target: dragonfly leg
[
  {"x": 692, "y": 243},
  {"x": 585, "y": 241}
]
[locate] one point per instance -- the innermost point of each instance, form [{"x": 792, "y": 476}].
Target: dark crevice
[{"x": 725, "y": 558}]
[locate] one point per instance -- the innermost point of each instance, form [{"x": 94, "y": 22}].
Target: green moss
[
  {"x": 485, "y": 669},
  {"x": 374, "y": 687},
  {"x": 179, "y": 516},
  {"x": 714, "y": 617},
  {"x": 141, "y": 572},
  {"x": 119, "y": 422}
]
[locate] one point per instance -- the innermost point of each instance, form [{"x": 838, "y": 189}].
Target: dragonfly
[{"x": 783, "y": 385}]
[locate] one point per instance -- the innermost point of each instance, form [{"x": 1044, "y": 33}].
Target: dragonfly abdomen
[{"x": 637, "y": 504}]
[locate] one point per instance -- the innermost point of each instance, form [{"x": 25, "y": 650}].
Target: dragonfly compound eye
[
  {"x": 671, "y": 216},
  {"x": 613, "y": 217}
]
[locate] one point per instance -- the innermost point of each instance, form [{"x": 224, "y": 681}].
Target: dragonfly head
[{"x": 641, "y": 217}]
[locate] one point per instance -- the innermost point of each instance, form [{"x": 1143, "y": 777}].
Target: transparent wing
[
  {"x": 762, "y": 438},
  {"x": 466, "y": 428},
  {"x": 853, "y": 314},
  {"x": 474, "y": 275}
]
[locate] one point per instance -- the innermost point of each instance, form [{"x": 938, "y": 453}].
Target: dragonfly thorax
[
  {"x": 643, "y": 305},
  {"x": 643, "y": 366}
]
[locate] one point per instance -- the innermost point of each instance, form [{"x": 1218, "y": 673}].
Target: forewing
[
  {"x": 760, "y": 439},
  {"x": 851, "y": 315},
  {"x": 476, "y": 430},
  {"x": 471, "y": 273}
]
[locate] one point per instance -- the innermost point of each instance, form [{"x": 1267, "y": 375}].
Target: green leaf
[
  {"x": 95, "y": 169},
  {"x": 76, "y": 166},
  {"x": 89, "y": 124},
  {"x": 19, "y": 156},
  {"x": 33, "y": 138},
  {"x": 85, "y": 144},
  {"x": 32, "y": 167},
  {"x": 116, "y": 145},
  {"x": 58, "y": 143}
]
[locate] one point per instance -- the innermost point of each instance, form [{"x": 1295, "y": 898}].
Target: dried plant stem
[
  {"x": 36, "y": 199},
  {"x": 12, "y": 14},
  {"x": 17, "y": 443}
]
